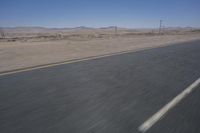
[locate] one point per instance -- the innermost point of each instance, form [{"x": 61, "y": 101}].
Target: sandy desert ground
[{"x": 28, "y": 48}]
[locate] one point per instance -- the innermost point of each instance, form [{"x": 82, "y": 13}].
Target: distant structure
[
  {"x": 163, "y": 29},
  {"x": 160, "y": 27}
]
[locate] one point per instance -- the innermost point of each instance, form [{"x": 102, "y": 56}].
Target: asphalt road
[{"x": 114, "y": 94}]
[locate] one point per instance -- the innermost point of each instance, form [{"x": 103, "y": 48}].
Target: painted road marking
[
  {"x": 161, "y": 113},
  {"x": 68, "y": 62},
  {"x": 84, "y": 59},
  {"x": 78, "y": 60}
]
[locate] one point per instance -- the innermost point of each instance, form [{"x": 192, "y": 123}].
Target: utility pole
[
  {"x": 115, "y": 30},
  {"x": 160, "y": 27},
  {"x": 2, "y": 34}
]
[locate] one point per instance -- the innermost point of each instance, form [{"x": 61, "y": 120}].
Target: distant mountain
[
  {"x": 83, "y": 27},
  {"x": 181, "y": 28},
  {"x": 24, "y": 29},
  {"x": 55, "y": 30},
  {"x": 109, "y": 27},
  {"x": 40, "y": 29}
]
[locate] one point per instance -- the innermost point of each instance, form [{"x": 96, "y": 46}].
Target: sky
[{"x": 100, "y": 13}]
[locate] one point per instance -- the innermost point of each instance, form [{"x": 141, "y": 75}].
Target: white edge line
[
  {"x": 82, "y": 59},
  {"x": 157, "y": 116},
  {"x": 89, "y": 58},
  {"x": 65, "y": 62}
]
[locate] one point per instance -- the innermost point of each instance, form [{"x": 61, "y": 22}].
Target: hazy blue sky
[{"x": 98, "y": 13}]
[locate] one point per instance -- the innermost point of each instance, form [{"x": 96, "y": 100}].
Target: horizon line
[{"x": 93, "y": 27}]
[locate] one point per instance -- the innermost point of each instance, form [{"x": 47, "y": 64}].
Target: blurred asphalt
[{"x": 114, "y": 94}]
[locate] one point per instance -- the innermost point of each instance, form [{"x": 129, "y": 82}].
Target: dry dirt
[{"x": 22, "y": 54}]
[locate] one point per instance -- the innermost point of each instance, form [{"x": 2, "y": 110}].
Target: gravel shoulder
[{"x": 18, "y": 55}]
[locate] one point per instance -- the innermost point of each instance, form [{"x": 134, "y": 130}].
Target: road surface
[{"x": 115, "y": 94}]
